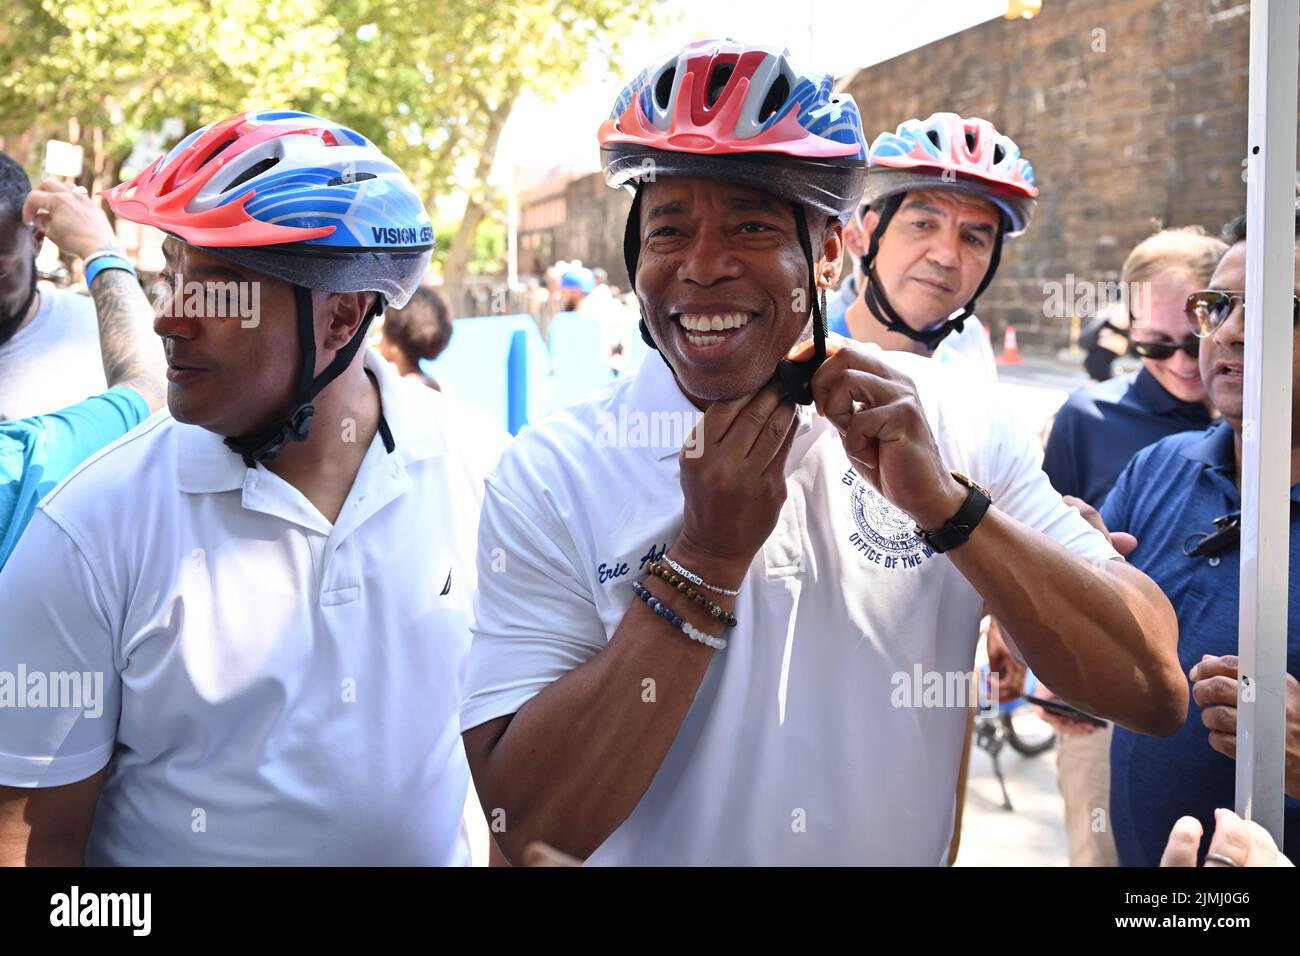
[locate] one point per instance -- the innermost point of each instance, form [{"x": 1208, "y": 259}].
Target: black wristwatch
[{"x": 959, "y": 527}]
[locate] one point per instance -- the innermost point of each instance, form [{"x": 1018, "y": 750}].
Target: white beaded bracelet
[
  {"x": 695, "y": 634},
  {"x": 676, "y": 620}
]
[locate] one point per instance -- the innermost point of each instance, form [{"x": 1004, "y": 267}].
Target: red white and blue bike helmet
[
  {"x": 299, "y": 198},
  {"x": 719, "y": 109},
  {"x": 966, "y": 155}
]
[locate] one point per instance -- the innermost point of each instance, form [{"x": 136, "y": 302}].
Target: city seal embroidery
[{"x": 886, "y": 535}]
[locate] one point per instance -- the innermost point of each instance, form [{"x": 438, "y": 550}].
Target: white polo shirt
[
  {"x": 276, "y": 689},
  {"x": 811, "y": 739}
]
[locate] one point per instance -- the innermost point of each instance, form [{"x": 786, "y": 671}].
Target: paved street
[{"x": 1033, "y": 834}]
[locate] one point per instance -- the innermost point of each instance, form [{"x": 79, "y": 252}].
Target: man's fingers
[
  {"x": 1184, "y": 841},
  {"x": 38, "y": 203},
  {"x": 802, "y": 351},
  {"x": 1225, "y": 743},
  {"x": 1066, "y": 725},
  {"x": 778, "y": 460},
  {"x": 876, "y": 382},
  {"x": 772, "y": 435},
  {"x": 1263, "y": 851},
  {"x": 1209, "y": 691},
  {"x": 741, "y": 419},
  {"x": 1223, "y": 719},
  {"x": 1123, "y": 542},
  {"x": 1231, "y": 841},
  {"x": 1208, "y": 666},
  {"x": 1093, "y": 517},
  {"x": 1090, "y": 514},
  {"x": 868, "y": 427}
]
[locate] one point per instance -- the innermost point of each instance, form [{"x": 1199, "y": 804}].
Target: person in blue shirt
[
  {"x": 1101, "y": 427},
  {"x": 1095, "y": 434},
  {"x": 37, "y": 453},
  {"x": 1168, "y": 498}
]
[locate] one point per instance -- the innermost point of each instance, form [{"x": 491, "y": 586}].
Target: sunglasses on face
[
  {"x": 1164, "y": 350},
  {"x": 1206, "y": 310}
]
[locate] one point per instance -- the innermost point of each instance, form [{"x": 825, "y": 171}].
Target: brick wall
[{"x": 593, "y": 227}]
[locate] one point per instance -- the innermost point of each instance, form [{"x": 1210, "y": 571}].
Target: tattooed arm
[{"x": 132, "y": 354}]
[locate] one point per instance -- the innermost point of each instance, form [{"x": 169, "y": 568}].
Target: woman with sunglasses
[
  {"x": 1095, "y": 434},
  {"x": 1102, "y": 426}
]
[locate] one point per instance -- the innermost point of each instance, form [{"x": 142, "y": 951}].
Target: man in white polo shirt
[
  {"x": 237, "y": 636},
  {"x": 605, "y": 715}
]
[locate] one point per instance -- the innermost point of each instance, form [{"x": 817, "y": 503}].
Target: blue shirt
[
  {"x": 37, "y": 453},
  {"x": 1102, "y": 426},
  {"x": 837, "y": 304},
  {"x": 1170, "y": 491}
]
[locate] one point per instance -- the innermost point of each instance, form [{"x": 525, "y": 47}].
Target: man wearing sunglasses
[
  {"x": 1098, "y": 430},
  {"x": 1169, "y": 498}
]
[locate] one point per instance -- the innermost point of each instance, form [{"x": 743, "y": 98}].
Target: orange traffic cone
[{"x": 1010, "y": 350}]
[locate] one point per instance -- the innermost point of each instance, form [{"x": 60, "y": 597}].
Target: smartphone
[{"x": 1063, "y": 709}]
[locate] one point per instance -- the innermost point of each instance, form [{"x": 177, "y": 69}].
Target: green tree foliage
[{"x": 432, "y": 81}]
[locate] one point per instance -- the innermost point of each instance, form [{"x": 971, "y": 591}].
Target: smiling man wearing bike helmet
[
  {"x": 942, "y": 196},
  {"x": 270, "y": 585},
  {"x": 695, "y": 654}
]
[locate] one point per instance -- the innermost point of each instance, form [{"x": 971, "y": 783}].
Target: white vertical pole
[{"x": 1266, "y": 425}]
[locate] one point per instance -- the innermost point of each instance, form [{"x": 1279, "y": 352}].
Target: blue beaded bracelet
[
  {"x": 676, "y": 620},
  {"x": 106, "y": 262}
]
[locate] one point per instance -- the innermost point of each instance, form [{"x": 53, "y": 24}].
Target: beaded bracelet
[
  {"x": 721, "y": 613},
  {"x": 696, "y": 579},
  {"x": 676, "y": 620}
]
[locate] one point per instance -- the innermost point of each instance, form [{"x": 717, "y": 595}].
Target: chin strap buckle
[
  {"x": 299, "y": 423},
  {"x": 295, "y": 428},
  {"x": 796, "y": 378}
]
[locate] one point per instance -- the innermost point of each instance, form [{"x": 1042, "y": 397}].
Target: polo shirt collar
[
  {"x": 655, "y": 389},
  {"x": 204, "y": 465},
  {"x": 1156, "y": 398},
  {"x": 1214, "y": 448},
  {"x": 416, "y": 434}
]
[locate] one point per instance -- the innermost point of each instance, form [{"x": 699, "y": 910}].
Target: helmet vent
[
  {"x": 934, "y": 138},
  {"x": 718, "y": 81},
  {"x": 664, "y": 88},
  {"x": 999, "y": 154},
  {"x": 970, "y": 141},
  {"x": 213, "y": 155},
  {"x": 347, "y": 178},
  {"x": 776, "y": 95},
  {"x": 259, "y": 167}
]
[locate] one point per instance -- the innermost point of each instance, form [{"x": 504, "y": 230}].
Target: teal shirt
[{"x": 37, "y": 453}]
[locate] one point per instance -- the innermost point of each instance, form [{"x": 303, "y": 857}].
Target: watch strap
[{"x": 958, "y": 529}]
